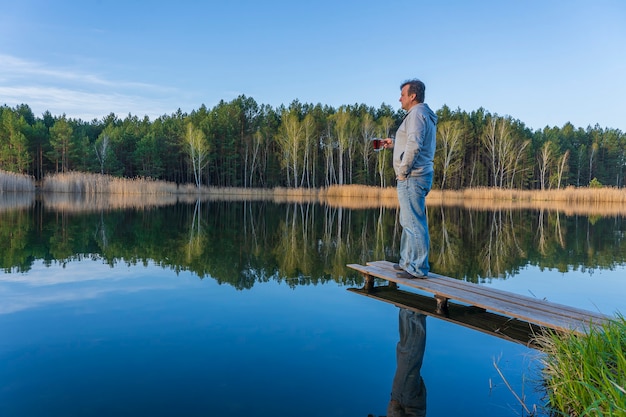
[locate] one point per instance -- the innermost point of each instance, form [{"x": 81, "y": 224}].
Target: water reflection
[
  {"x": 408, "y": 390},
  {"x": 299, "y": 243},
  {"x": 59, "y": 285},
  {"x": 16, "y": 201}
]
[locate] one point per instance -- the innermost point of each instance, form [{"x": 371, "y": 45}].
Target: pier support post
[
  {"x": 442, "y": 305},
  {"x": 369, "y": 282}
]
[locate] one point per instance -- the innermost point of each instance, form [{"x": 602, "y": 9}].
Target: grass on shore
[
  {"x": 585, "y": 375},
  {"x": 584, "y": 201}
]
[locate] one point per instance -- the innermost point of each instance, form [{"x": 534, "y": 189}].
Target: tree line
[{"x": 245, "y": 144}]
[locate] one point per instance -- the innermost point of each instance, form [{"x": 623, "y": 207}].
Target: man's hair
[{"x": 415, "y": 87}]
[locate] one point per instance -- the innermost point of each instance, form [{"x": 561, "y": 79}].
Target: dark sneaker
[
  {"x": 406, "y": 275},
  {"x": 397, "y": 267}
]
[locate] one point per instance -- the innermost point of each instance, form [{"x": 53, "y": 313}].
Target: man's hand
[{"x": 387, "y": 143}]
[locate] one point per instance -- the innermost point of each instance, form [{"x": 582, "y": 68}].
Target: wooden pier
[{"x": 477, "y": 306}]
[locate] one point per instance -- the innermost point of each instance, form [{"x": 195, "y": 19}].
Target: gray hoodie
[{"x": 414, "y": 147}]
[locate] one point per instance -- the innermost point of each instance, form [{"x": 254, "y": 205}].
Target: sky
[{"x": 542, "y": 62}]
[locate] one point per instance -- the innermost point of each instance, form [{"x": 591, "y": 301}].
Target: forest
[{"x": 242, "y": 143}]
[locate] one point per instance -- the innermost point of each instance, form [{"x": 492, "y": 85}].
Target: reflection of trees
[
  {"x": 15, "y": 235},
  {"x": 337, "y": 239},
  {"x": 243, "y": 243},
  {"x": 551, "y": 236},
  {"x": 101, "y": 232},
  {"x": 501, "y": 246},
  {"x": 61, "y": 245},
  {"x": 196, "y": 237},
  {"x": 293, "y": 252},
  {"x": 381, "y": 247},
  {"x": 447, "y": 256},
  {"x": 476, "y": 245},
  {"x": 541, "y": 236}
]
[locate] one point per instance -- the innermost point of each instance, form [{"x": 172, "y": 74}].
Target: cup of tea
[{"x": 377, "y": 144}]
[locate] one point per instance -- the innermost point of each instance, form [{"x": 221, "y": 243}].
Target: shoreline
[{"x": 120, "y": 192}]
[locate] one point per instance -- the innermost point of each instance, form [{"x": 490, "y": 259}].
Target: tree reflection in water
[{"x": 243, "y": 242}]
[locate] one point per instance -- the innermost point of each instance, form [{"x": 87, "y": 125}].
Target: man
[{"x": 413, "y": 153}]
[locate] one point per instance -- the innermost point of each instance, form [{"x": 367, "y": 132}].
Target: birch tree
[
  {"x": 102, "y": 149},
  {"x": 328, "y": 146},
  {"x": 489, "y": 139},
  {"x": 343, "y": 133},
  {"x": 308, "y": 138},
  {"x": 592, "y": 153},
  {"x": 289, "y": 139},
  {"x": 562, "y": 168},
  {"x": 255, "y": 155},
  {"x": 367, "y": 128},
  {"x": 198, "y": 151},
  {"x": 545, "y": 159},
  {"x": 515, "y": 160},
  {"x": 449, "y": 143},
  {"x": 385, "y": 125},
  {"x": 504, "y": 150}
]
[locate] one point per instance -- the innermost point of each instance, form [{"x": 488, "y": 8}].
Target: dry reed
[
  {"x": 12, "y": 182},
  {"x": 86, "y": 183},
  {"x": 359, "y": 196},
  {"x": 605, "y": 201},
  {"x": 569, "y": 195}
]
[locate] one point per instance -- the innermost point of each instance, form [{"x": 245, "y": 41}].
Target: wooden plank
[
  {"x": 437, "y": 287},
  {"x": 540, "y": 307},
  {"x": 468, "y": 293},
  {"x": 503, "y": 327},
  {"x": 495, "y": 293}
]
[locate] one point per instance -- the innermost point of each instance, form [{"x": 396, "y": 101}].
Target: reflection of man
[
  {"x": 413, "y": 153},
  {"x": 408, "y": 392}
]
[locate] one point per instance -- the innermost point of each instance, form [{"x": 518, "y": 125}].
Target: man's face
[{"x": 406, "y": 99}]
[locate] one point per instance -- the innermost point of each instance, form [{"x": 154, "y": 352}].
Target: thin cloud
[
  {"x": 44, "y": 286},
  {"x": 78, "y": 94},
  {"x": 15, "y": 68},
  {"x": 19, "y": 299}
]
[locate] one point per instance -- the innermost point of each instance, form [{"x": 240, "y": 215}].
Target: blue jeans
[{"x": 415, "y": 240}]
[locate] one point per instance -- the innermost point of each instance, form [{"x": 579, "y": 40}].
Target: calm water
[{"x": 239, "y": 308}]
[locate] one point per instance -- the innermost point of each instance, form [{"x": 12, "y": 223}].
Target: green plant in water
[{"x": 585, "y": 375}]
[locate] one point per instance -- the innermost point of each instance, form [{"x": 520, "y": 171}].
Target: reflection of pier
[
  {"x": 483, "y": 308},
  {"x": 469, "y": 316}
]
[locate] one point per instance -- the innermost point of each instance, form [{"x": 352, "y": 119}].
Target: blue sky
[{"x": 542, "y": 62}]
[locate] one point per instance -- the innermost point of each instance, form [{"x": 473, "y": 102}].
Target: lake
[{"x": 242, "y": 308}]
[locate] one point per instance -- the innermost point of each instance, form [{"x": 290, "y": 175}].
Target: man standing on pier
[{"x": 413, "y": 154}]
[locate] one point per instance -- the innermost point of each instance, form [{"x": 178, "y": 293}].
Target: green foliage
[
  {"x": 586, "y": 375},
  {"x": 61, "y": 143},
  {"x": 14, "y": 155},
  {"x": 594, "y": 183},
  {"x": 244, "y": 137}
]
